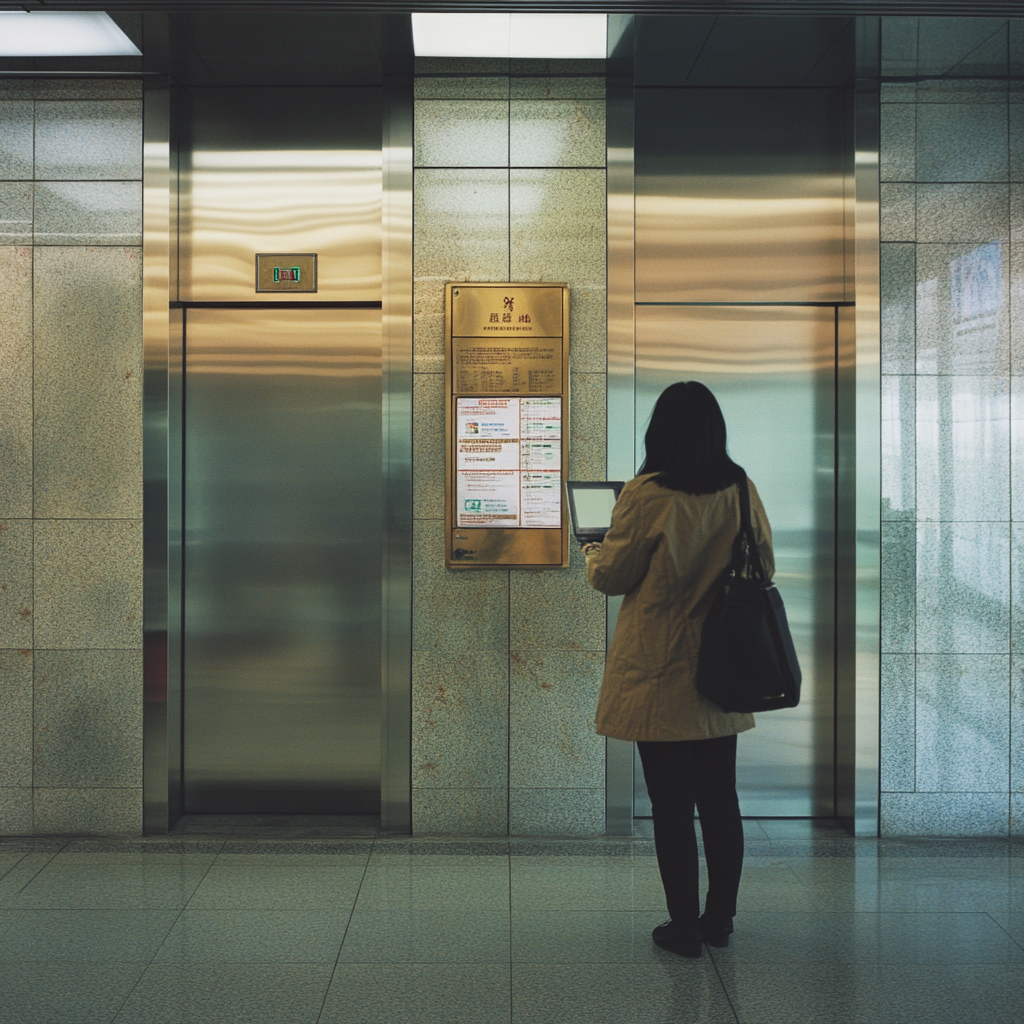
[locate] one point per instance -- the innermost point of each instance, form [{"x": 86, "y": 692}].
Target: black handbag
[{"x": 747, "y": 661}]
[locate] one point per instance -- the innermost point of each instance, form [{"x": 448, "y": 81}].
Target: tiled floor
[{"x": 288, "y": 921}]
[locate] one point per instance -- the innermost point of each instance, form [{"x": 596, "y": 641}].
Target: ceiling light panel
[
  {"x": 552, "y": 36},
  {"x": 62, "y": 34}
]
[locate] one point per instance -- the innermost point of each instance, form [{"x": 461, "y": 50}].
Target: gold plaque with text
[{"x": 507, "y": 311}]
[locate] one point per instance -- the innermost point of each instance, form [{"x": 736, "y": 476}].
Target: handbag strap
[{"x": 746, "y": 557}]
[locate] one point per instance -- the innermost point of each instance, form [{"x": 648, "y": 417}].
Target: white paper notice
[{"x": 508, "y": 462}]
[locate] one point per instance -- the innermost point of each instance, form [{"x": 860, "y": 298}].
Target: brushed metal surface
[
  {"x": 739, "y": 195},
  {"x": 283, "y": 553},
  {"x": 396, "y": 719},
  {"x": 772, "y": 369},
  {"x": 281, "y": 170}
]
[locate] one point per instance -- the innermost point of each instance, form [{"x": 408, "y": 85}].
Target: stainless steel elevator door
[
  {"x": 282, "y": 616},
  {"x": 773, "y": 370}
]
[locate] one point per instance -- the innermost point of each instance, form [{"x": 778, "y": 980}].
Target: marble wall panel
[
  {"x": 88, "y": 89},
  {"x": 15, "y": 382},
  {"x": 963, "y": 731},
  {"x": 898, "y": 269},
  {"x": 428, "y": 442},
  {"x": 557, "y": 133},
  {"x": 944, "y": 814},
  {"x": 962, "y": 308},
  {"x": 1016, "y": 133},
  {"x": 587, "y": 426},
  {"x": 1017, "y": 448},
  {"x": 88, "y": 584},
  {"x": 88, "y": 382},
  {"x": 898, "y": 132},
  {"x": 461, "y": 133},
  {"x": 88, "y": 719},
  {"x": 962, "y": 142},
  {"x": 88, "y": 140},
  {"x": 553, "y": 700},
  {"x": 898, "y": 724},
  {"x": 88, "y": 213},
  {"x": 963, "y": 213},
  {"x": 963, "y": 448},
  {"x": 460, "y": 720},
  {"x": 1017, "y": 725},
  {"x": 899, "y": 587},
  {"x": 87, "y": 812},
  {"x": 455, "y": 611},
  {"x": 963, "y": 596},
  {"x": 562, "y": 88},
  {"x": 15, "y": 811},
  {"x": 1017, "y": 814},
  {"x": 899, "y": 448},
  {"x": 898, "y": 215},
  {"x": 467, "y": 812},
  {"x": 15, "y": 719},
  {"x": 568, "y": 812},
  {"x": 16, "y": 128},
  {"x": 16, "y": 598},
  {"x": 461, "y": 87},
  {"x": 16, "y": 212},
  {"x": 1016, "y": 293}
]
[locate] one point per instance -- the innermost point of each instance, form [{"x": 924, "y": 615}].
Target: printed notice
[{"x": 508, "y": 462}]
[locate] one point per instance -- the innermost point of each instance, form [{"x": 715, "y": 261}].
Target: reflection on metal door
[
  {"x": 282, "y": 613},
  {"x": 773, "y": 369}
]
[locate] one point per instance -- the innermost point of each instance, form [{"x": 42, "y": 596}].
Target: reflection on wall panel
[
  {"x": 773, "y": 371},
  {"x": 739, "y": 195},
  {"x": 281, "y": 170},
  {"x": 282, "y": 556}
]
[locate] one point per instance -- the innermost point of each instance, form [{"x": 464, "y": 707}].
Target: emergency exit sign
[{"x": 286, "y": 272}]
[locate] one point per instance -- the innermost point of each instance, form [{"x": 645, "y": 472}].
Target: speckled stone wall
[
  {"x": 70, "y": 457},
  {"x": 510, "y": 185},
  {"x": 952, "y": 274}
]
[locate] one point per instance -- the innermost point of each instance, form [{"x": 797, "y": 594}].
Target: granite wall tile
[
  {"x": 1016, "y": 293},
  {"x": 898, "y": 43},
  {"x": 16, "y": 382},
  {"x": 898, "y": 272},
  {"x": 88, "y": 719},
  {"x": 15, "y": 811},
  {"x": 1016, "y": 448},
  {"x": 963, "y": 213},
  {"x": 553, "y": 699},
  {"x": 1016, "y": 587},
  {"x": 963, "y": 448},
  {"x": 88, "y": 382},
  {"x": 16, "y": 88},
  {"x": 1016, "y": 134},
  {"x": 16, "y": 599},
  {"x": 15, "y": 719},
  {"x": 468, "y": 812},
  {"x": 1017, "y": 814},
  {"x": 16, "y": 212},
  {"x": 897, "y": 156},
  {"x": 898, "y": 728},
  {"x": 898, "y": 92},
  {"x": 460, "y": 87},
  {"x": 962, "y": 46},
  {"x": 962, "y": 142},
  {"x": 963, "y": 588},
  {"x": 461, "y": 133},
  {"x": 87, "y": 812},
  {"x": 962, "y": 308},
  {"x": 1016, "y": 213},
  {"x": 460, "y": 720},
  {"x": 428, "y": 442},
  {"x": 455, "y": 611},
  {"x": 558, "y": 812},
  {"x": 16, "y": 123},
  {"x": 462, "y": 66},
  {"x": 88, "y": 584},
  {"x": 961, "y": 90},
  {"x": 557, "y": 133},
  {"x": 963, "y": 731},
  {"x": 587, "y": 426},
  {"x": 899, "y": 586},
  {"x": 544, "y": 67},
  {"x": 88, "y": 213},
  {"x": 88, "y": 140},
  {"x": 899, "y": 448},
  {"x": 898, "y": 215},
  {"x": 88, "y": 89},
  {"x": 944, "y": 814},
  {"x": 1017, "y": 725},
  {"x": 539, "y": 88},
  {"x": 556, "y": 609}
]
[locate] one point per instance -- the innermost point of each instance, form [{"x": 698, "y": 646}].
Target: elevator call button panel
[
  {"x": 507, "y": 405},
  {"x": 286, "y": 272}
]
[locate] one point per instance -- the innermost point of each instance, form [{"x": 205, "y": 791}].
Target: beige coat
[{"x": 666, "y": 551}]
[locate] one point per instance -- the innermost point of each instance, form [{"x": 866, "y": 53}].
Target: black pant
[{"x": 680, "y": 774}]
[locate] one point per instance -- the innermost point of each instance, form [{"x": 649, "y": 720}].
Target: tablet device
[{"x": 590, "y": 505}]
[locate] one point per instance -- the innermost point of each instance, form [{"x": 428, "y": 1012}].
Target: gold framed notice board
[{"x": 507, "y": 417}]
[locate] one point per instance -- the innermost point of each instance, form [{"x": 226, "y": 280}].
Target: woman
[{"x": 668, "y": 547}]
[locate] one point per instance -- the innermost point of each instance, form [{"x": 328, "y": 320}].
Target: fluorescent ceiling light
[
  {"x": 510, "y": 35},
  {"x": 62, "y": 34}
]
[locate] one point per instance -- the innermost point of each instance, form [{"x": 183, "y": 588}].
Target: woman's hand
[{"x": 591, "y": 549}]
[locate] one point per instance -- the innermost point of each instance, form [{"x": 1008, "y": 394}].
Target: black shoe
[
  {"x": 677, "y": 938},
  {"x": 715, "y": 931}
]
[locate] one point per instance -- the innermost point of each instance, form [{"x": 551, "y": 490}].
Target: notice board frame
[{"x": 466, "y": 305}]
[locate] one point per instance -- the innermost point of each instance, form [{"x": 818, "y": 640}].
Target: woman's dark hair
[{"x": 685, "y": 441}]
